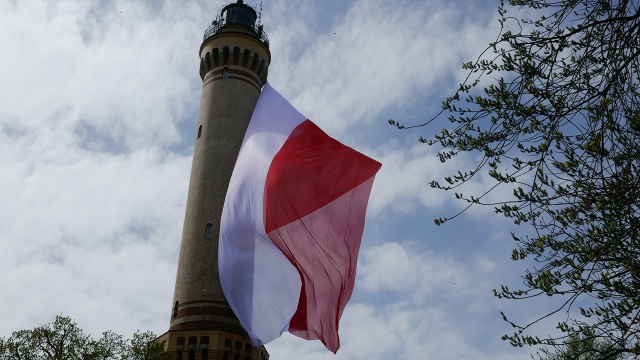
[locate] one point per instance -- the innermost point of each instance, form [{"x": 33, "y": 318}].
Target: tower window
[
  {"x": 225, "y": 73},
  {"x": 204, "y": 340},
  {"x": 208, "y": 231},
  {"x": 175, "y": 310},
  {"x": 199, "y": 131},
  {"x": 180, "y": 341},
  {"x": 193, "y": 340}
]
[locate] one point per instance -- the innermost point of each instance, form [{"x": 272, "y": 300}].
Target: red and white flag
[{"x": 291, "y": 226}]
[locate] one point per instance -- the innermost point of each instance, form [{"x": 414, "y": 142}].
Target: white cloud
[
  {"x": 93, "y": 237},
  {"x": 390, "y": 267},
  {"x": 403, "y": 181},
  {"x": 378, "y": 53},
  {"x": 92, "y": 201},
  {"x": 123, "y": 76}
]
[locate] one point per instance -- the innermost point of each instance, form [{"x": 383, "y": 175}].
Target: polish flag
[{"x": 291, "y": 225}]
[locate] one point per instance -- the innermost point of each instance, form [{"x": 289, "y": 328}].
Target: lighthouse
[{"x": 234, "y": 62}]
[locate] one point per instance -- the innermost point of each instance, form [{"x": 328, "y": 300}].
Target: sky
[{"x": 98, "y": 108}]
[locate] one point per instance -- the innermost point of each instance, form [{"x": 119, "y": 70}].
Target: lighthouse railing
[{"x": 220, "y": 26}]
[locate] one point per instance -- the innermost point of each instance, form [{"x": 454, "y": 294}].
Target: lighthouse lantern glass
[{"x": 239, "y": 15}]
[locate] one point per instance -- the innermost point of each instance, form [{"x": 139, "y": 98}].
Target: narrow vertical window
[
  {"x": 192, "y": 354},
  {"x": 225, "y": 73},
  {"x": 199, "y": 131},
  {"x": 205, "y": 354},
  {"x": 179, "y": 355},
  {"x": 208, "y": 231},
  {"x": 175, "y": 310}
]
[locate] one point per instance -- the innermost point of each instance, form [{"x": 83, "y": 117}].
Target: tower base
[{"x": 211, "y": 345}]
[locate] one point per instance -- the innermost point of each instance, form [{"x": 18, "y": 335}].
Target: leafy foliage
[
  {"x": 581, "y": 347},
  {"x": 64, "y": 340},
  {"x": 143, "y": 347},
  {"x": 553, "y": 108}
]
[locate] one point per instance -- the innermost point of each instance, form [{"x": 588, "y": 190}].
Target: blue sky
[{"x": 98, "y": 108}]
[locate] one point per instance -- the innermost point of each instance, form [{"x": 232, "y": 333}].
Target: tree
[
  {"x": 64, "y": 340},
  {"x": 552, "y": 108},
  {"x": 144, "y": 347},
  {"x": 580, "y": 347}
]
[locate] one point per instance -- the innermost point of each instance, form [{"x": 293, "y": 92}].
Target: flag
[{"x": 291, "y": 225}]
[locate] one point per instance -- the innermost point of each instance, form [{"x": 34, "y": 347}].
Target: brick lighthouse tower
[{"x": 234, "y": 58}]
